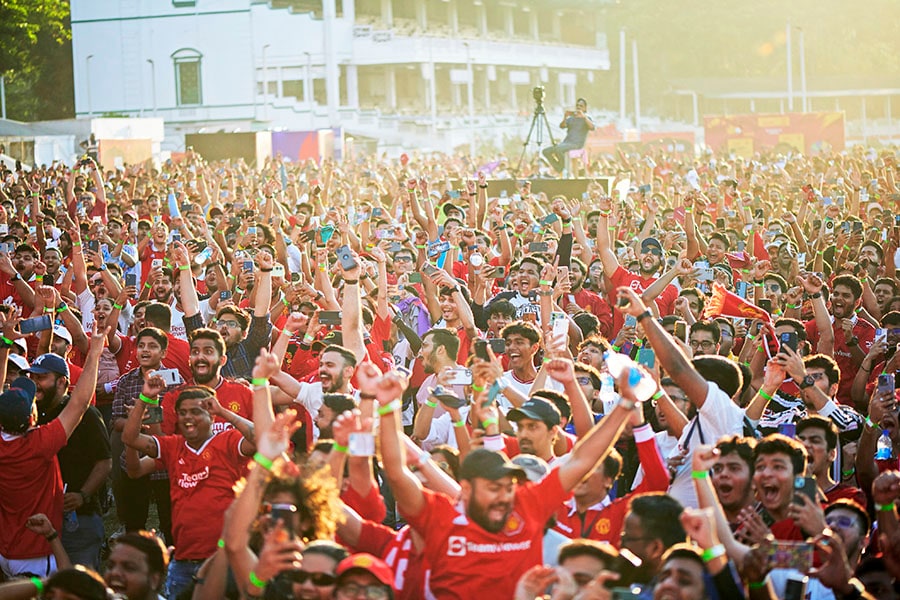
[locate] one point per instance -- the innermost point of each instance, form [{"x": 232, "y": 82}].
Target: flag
[
  {"x": 759, "y": 247},
  {"x": 738, "y": 261},
  {"x": 723, "y": 303}
]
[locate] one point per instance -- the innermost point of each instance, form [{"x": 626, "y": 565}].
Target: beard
[
  {"x": 336, "y": 383},
  {"x": 481, "y": 515},
  {"x": 205, "y": 378}
]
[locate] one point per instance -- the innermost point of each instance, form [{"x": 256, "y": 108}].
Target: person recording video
[{"x": 577, "y": 124}]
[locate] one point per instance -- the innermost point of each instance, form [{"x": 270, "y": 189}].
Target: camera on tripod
[{"x": 538, "y": 94}]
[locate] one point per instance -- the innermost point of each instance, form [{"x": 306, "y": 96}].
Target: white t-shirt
[
  {"x": 666, "y": 443},
  {"x": 441, "y": 431},
  {"x": 719, "y": 416},
  {"x": 524, "y": 387}
]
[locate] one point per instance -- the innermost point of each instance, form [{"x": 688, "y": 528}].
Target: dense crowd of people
[{"x": 389, "y": 379}]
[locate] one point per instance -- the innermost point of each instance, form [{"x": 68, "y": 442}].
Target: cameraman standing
[{"x": 577, "y": 124}]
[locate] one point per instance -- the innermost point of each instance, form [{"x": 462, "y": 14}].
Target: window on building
[
  {"x": 188, "y": 82},
  {"x": 184, "y": 3}
]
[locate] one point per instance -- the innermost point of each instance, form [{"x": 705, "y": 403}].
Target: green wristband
[
  {"x": 756, "y": 585},
  {"x": 220, "y": 543},
  {"x": 460, "y": 423},
  {"x": 39, "y": 584},
  {"x": 488, "y": 422},
  {"x": 430, "y": 404},
  {"x": 889, "y": 507},
  {"x": 390, "y": 407},
  {"x": 477, "y": 388},
  {"x": 545, "y": 282},
  {"x": 184, "y": 267},
  {"x": 764, "y": 395},
  {"x": 699, "y": 474},
  {"x": 147, "y": 285},
  {"x": 263, "y": 461},
  {"x": 259, "y": 381},
  {"x": 117, "y": 306},
  {"x": 338, "y": 448},
  {"x": 256, "y": 581},
  {"x": 148, "y": 400}
]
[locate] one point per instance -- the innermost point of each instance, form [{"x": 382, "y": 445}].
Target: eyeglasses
[
  {"x": 372, "y": 592},
  {"x": 705, "y": 344},
  {"x": 583, "y": 380},
  {"x": 841, "y": 522},
  {"x": 232, "y": 324},
  {"x": 318, "y": 579},
  {"x": 817, "y": 376},
  {"x": 403, "y": 259},
  {"x": 773, "y": 287}
]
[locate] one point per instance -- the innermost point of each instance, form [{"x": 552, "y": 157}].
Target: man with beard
[
  {"x": 583, "y": 299},
  {"x": 493, "y": 535},
  {"x": 85, "y": 462},
  {"x": 333, "y": 406},
  {"x": 133, "y": 495},
  {"x": 853, "y": 336},
  {"x": 33, "y": 458},
  {"x": 336, "y": 366},
  {"x": 242, "y": 343},
  {"x": 202, "y": 465},
  {"x": 650, "y": 259},
  {"x": 206, "y": 360},
  {"x": 537, "y": 425}
]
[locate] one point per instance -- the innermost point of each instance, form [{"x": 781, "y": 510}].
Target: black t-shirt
[{"x": 88, "y": 445}]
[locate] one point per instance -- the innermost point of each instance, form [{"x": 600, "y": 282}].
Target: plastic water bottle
[
  {"x": 641, "y": 384},
  {"x": 608, "y": 395},
  {"x": 203, "y": 256},
  {"x": 884, "y": 448}
]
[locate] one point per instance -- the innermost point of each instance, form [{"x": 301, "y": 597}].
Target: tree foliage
[{"x": 36, "y": 58}]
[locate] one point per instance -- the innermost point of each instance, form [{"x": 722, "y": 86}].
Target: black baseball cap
[
  {"x": 488, "y": 464},
  {"x": 649, "y": 244},
  {"x": 537, "y": 409}
]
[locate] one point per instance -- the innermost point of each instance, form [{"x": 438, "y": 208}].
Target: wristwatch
[{"x": 807, "y": 382}]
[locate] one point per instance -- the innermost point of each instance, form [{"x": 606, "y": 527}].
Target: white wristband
[{"x": 494, "y": 442}]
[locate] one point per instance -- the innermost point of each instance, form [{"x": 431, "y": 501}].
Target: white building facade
[{"x": 420, "y": 72}]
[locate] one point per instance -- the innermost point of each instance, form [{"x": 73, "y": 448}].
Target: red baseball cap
[{"x": 366, "y": 562}]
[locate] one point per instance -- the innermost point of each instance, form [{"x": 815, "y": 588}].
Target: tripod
[{"x": 537, "y": 129}]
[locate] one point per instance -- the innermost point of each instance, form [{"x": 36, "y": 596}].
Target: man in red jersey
[
  {"x": 30, "y": 481},
  {"x": 202, "y": 465},
  {"x": 495, "y": 534},
  {"x": 206, "y": 360},
  {"x": 651, "y": 260}
]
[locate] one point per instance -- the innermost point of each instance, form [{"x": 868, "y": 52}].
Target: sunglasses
[{"x": 318, "y": 579}]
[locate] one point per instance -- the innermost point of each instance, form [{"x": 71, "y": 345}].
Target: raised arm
[
  {"x": 604, "y": 243},
  {"x": 351, "y": 315},
  {"x": 78, "y": 403},
  {"x": 671, "y": 359},
  {"x": 131, "y": 433},
  {"x": 388, "y": 389},
  {"x": 596, "y": 445}
]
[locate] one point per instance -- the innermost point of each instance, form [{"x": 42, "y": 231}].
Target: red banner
[{"x": 743, "y": 135}]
